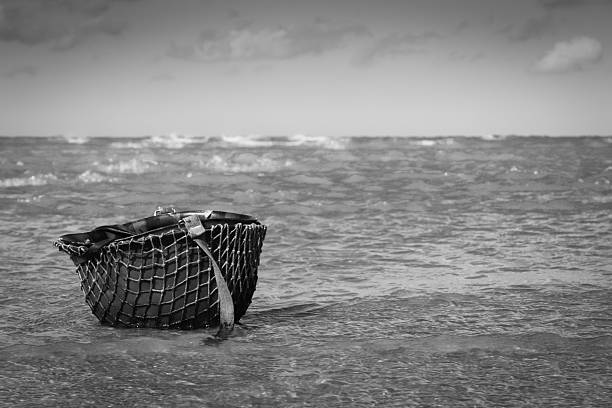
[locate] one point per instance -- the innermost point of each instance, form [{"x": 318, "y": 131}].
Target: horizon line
[{"x": 256, "y": 135}]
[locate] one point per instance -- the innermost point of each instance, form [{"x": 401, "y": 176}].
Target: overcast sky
[{"x": 329, "y": 67}]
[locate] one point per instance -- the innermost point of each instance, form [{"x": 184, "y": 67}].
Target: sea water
[{"x": 448, "y": 271}]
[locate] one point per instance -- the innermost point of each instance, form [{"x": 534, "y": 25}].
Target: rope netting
[{"x": 163, "y": 279}]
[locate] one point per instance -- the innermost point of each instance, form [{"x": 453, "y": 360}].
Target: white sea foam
[
  {"x": 319, "y": 141},
  {"x": 34, "y": 180},
  {"x": 248, "y": 141},
  {"x": 75, "y": 139},
  {"x": 492, "y": 137},
  {"x": 326, "y": 142},
  {"x": 425, "y": 142},
  {"x": 245, "y": 163},
  {"x": 433, "y": 142},
  {"x": 89, "y": 176},
  {"x": 174, "y": 140},
  {"x": 32, "y": 199},
  {"x": 136, "y": 165},
  {"x": 169, "y": 141},
  {"x": 131, "y": 145}
]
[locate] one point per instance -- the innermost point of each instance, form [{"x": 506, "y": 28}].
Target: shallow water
[{"x": 395, "y": 272}]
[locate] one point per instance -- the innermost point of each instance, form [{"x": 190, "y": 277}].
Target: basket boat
[{"x": 161, "y": 271}]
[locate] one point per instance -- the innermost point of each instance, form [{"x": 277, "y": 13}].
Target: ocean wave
[
  {"x": 140, "y": 144},
  {"x": 245, "y": 163},
  {"x": 428, "y": 142},
  {"x": 491, "y": 137},
  {"x": 248, "y": 141},
  {"x": 34, "y": 180},
  {"x": 326, "y": 142},
  {"x": 75, "y": 139},
  {"x": 32, "y": 199},
  {"x": 169, "y": 141},
  {"x": 174, "y": 140},
  {"x": 137, "y": 165},
  {"x": 89, "y": 176}
]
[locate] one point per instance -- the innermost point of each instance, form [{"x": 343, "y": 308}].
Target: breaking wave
[
  {"x": 86, "y": 177},
  {"x": 75, "y": 139},
  {"x": 245, "y": 163},
  {"x": 133, "y": 166},
  {"x": 34, "y": 180},
  {"x": 178, "y": 141},
  {"x": 170, "y": 141},
  {"x": 326, "y": 142},
  {"x": 492, "y": 137},
  {"x": 429, "y": 142},
  {"x": 89, "y": 176}
]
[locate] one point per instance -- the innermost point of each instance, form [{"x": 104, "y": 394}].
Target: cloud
[
  {"x": 396, "y": 45},
  {"x": 163, "y": 77},
  {"x": 529, "y": 29},
  {"x": 555, "y": 4},
  {"x": 247, "y": 43},
  {"x": 61, "y": 23},
  {"x": 467, "y": 56},
  {"x": 23, "y": 71},
  {"x": 572, "y": 55},
  {"x": 560, "y": 3}
]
